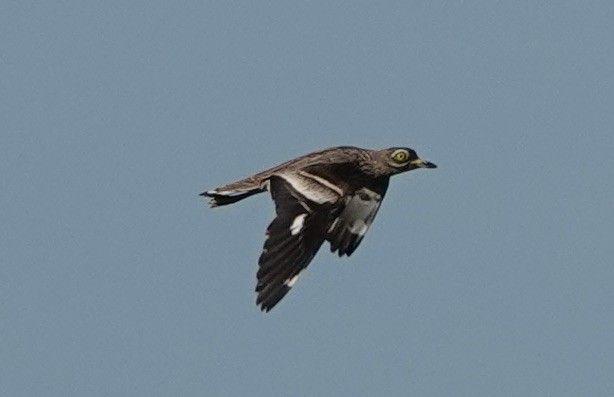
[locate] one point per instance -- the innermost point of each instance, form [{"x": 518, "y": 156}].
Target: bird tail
[{"x": 232, "y": 193}]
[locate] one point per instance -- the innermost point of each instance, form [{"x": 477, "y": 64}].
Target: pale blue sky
[{"x": 490, "y": 276}]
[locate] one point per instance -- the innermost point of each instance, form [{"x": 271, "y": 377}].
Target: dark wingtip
[{"x": 265, "y": 304}]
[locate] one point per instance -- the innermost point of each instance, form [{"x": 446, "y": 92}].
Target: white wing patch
[
  {"x": 311, "y": 189},
  {"x": 291, "y": 281},
  {"x": 297, "y": 224},
  {"x": 358, "y": 227},
  {"x": 347, "y": 231},
  {"x": 322, "y": 181}
]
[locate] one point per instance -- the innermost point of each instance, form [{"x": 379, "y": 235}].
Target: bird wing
[
  {"x": 293, "y": 237},
  {"x": 349, "y": 228}
]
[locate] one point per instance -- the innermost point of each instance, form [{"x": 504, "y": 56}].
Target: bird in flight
[{"x": 330, "y": 195}]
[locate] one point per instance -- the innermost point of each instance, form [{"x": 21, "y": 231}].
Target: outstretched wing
[
  {"x": 293, "y": 238},
  {"x": 349, "y": 228}
]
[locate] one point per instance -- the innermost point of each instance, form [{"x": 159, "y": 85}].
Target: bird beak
[{"x": 422, "y": 164}]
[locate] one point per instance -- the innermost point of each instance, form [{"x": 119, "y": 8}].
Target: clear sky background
[{"x": 490, "y": 276}]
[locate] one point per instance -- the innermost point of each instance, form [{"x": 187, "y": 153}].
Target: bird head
[{"x": 398, "y": 159}]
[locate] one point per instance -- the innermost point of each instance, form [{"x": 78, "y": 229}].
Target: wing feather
[
  {"x": 348, "y": 230},
  {"x": 293, "y": 239}
]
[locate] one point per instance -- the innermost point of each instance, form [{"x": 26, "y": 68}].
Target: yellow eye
[{"x": 400, "y": 156}]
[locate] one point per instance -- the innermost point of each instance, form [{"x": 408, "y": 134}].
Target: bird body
[{"x": 330, "y": 195}]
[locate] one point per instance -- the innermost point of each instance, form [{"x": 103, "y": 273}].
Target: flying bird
[{"x": 330, "y": 195}]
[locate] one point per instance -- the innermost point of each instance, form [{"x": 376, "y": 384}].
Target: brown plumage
[{"x": 331, "y": 195}]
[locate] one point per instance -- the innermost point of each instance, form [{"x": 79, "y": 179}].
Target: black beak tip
[{"x": 428, "y": 164}]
